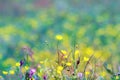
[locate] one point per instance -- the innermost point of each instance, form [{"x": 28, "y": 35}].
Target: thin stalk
[
  {"x": 58, "y": 52},
  {"x": 87, "y": 64}
]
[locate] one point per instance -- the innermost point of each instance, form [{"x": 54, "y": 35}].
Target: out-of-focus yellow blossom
[
  {"x": 41, "y": 62},
  {"x": 59, "y": 37},
  {"x": 59, "y": 69},
  {"x": 76, "y": 54},
  {"x": 87, "y": 73},
  {"x": 68, "y": 64},
  {"x": 64, "y": 52},
  {"x": 89, "y": 51},
  {"x": 117, "y": 77},
  {"x": 65, "y": 56},
  {"x": 12, "y": 72},
  {"x": 86, "y": 59},
  {"x": 17, "y": 64},
  {"x": 103, "y": 74},
  {"x": 26, "y": 67},
  {"x": 5, "y": 72}
]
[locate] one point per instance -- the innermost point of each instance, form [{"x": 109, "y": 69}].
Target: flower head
[
  {"x": 44, "y": 77},
  {"x": 80, "y": 75},
  {"x": 58, "y": 37},
  {"x": 68, "y": 64},
  {"x": 17, "y": 64},
  {"x": 64, "y": 52},
  {"x": 59, "y": 69},
  {"x": 12, "y": 72},
  {"x": 86, "y": 59},
  {"x": 21, "y": 62},
  {"x": 31, "y": 72},
  {"x": 5, "y": 72}
]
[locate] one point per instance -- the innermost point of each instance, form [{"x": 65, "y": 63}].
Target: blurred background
[{"x": 94, "y": 24}]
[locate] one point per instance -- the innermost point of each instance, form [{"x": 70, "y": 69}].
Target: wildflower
[
  {"x": 21, "y": 62},
  {"x": 117, "y": 77},
  {"x": 44, "y": 77},
  {"x": 89, "y": 51},
  {"x": 59, "y": 69},
  {"x": 76, "y": 54},
  {"x": 26, "y": 67},
  {"x": 87, "y": 73},
  {"x": 31, "y": 72},
  {"x": 68, "y": 64},
  {"x": 41, "y": 62},
  {"x": 17, "y": 64},
  {"x": 86, "y": 59},
  {"x": 103, "y": 74},
  {"x": 64, "y": 52},
  {"x": 80, "y": 75},
  {"x": 65, "y": 56},
  {"x": 59, "y": 37},
  {"x": 12, "y": 72},
  {"x": 5, "y": 72}
]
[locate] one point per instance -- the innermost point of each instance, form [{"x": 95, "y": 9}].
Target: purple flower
[
  {"x": 31, "y": 72},
  {"x": 80, "y": 75},
  {"x": 45, "y": 77},
  {"x": 21, "y": 62}
]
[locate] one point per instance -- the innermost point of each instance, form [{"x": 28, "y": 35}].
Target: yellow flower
[
  {"x": 59, "y": 72},
  {"x": 87, "y": 73},
  {"x": 103, "y": 74},
  {"x": 117, "y": 77},
  {"x": 59, "y": 37},
  {"x": 26, "y": 67},
  {"x": 68, "y": 64},
  {"x": 76, "y": 54},
  {"x": 63, "y": 51},
  {"x": 89, "y": 51},
  {"x": 86, "y": 59},
  {"x": 41, "y": 62},
  {"x": 59, "y": 69},
  {"x": 65, "y": 56},
  {"x": 17, "y": 64},
  {"x": 5, "y": 72},
  {"x": 12, "y": 72}
]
